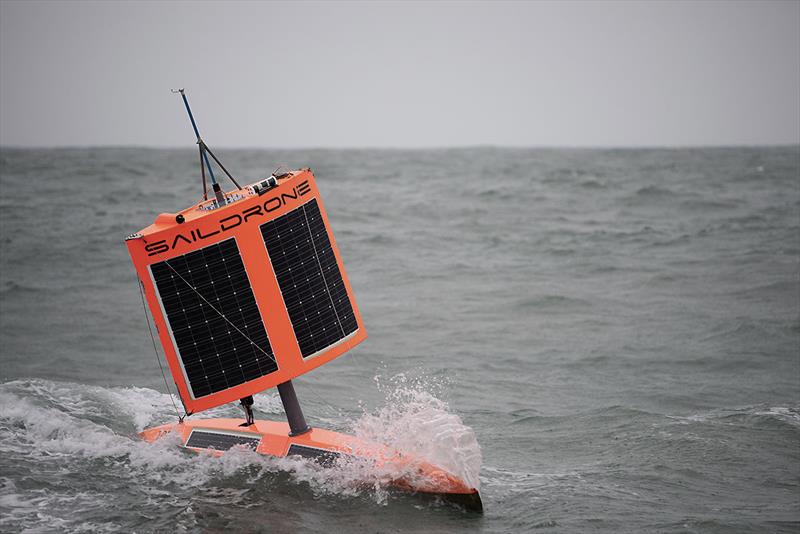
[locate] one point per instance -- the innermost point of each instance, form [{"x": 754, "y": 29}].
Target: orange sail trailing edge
[{"x": 247, "y": 290}]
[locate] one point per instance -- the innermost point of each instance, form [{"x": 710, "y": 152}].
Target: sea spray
[{"x": 414, "y": 421}]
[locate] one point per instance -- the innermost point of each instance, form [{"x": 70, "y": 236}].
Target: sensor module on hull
[{"x": 248, "y": 291}]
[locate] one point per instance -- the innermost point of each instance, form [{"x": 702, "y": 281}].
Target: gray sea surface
[{"x": 619, "y": 328}]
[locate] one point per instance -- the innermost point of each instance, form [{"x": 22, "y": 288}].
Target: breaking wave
[{"x": 62, "y": 431}]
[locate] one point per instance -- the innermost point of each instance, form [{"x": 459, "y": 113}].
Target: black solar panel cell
[
  {"x": 323, "y": 457},
  {"x": 309, "y": 278},
  {"x": 218, "y": 441},
  {"x": 214, "y": 319}
]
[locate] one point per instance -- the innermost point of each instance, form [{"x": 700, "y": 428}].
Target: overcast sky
[{"x": 400, "y": 74}]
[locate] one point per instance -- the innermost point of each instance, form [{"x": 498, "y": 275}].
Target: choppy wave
[
  {"x": 55, "y": 431},
  {"x": 620, "y": 328},
  {"x": 750, "y": 415}
]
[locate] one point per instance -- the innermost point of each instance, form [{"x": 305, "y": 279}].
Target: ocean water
[{"x": 618, "y": 331}]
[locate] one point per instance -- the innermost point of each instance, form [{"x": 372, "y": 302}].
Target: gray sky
[{"x": 400, "y": 75}]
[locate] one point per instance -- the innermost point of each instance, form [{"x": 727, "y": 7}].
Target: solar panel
[
  {"x": 213, "y": 318},
  {"x": 309, "y": 278},
  {"x": 323, "y": 457},
  {"x": 219, "y": 441}
]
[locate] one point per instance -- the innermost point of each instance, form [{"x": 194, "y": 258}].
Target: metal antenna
[{"x": 214, "y": 185}]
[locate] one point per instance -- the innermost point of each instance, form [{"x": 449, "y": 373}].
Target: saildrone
[{"x": 247, "y": 291}]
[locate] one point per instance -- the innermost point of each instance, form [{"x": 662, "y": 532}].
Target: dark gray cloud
[{"x": 391, "y": 74}]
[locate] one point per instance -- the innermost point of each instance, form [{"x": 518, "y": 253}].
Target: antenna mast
[{"x": 204, "y": 162}]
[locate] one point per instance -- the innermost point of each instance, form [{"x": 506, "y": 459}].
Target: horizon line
[{"x": 676, "y": 146}]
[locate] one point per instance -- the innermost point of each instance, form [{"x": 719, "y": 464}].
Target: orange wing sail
[{"x": 247, "y": 293}]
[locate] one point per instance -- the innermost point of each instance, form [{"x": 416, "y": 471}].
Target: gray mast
[{"x": 297, "y": 422}]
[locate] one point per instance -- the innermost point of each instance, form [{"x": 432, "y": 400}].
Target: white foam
[{"x": 414, "y": 421}]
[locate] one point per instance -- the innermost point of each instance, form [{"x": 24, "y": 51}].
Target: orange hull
[{"x": 272, "y": 438}]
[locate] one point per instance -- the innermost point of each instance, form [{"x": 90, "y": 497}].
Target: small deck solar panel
[
  {"x": 309, "y": 278},
  {"x": 323, "y": 457},
  {"x": 213, "y": 318},
  {"x": 219, "y": 441}
]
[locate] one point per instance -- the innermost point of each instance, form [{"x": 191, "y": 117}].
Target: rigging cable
[{"x": 155, "y": 349}]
